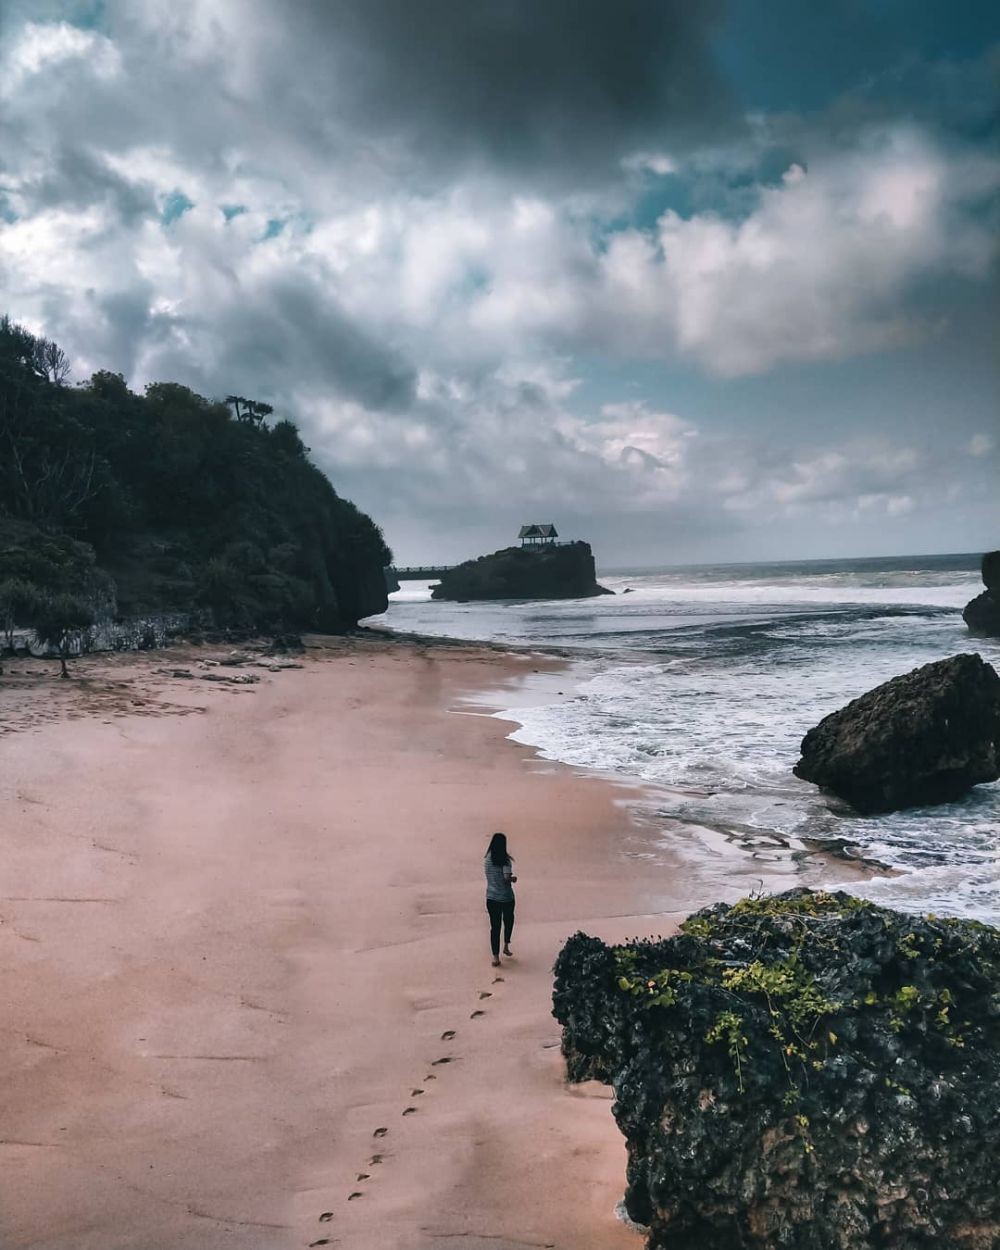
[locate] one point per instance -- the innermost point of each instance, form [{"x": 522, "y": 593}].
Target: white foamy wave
[
  {"x": 702, "y": 683},
  {"x": 950, "y": 594},
  {"x": 944, "y": 890}
]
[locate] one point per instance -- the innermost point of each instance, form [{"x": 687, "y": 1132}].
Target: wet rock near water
[
  {"x": 982, "y": 614},
  {"x": 925, "y": 737},
  {"x": 802, "y": 1072},
  {"x": 550, "y": 571}
]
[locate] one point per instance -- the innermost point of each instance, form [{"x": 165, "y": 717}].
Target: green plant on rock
[
  {"x": 728, "y": 1027},
  {"x": 790, "y": 991},
  {"x": 659, "y": 990}
]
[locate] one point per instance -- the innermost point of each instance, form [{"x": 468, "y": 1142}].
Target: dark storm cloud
[
  {"x": 75, "y": 178},
  {"x": 299, "y": 331},
  {"x": 559, "y": 84},
  {"x": 290, "y": 335}
]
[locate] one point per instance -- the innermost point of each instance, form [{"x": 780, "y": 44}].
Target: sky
[{"x": 695, "y": 282}]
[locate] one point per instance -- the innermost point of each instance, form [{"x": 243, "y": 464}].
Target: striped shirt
[{"x": 498, "y": 888}]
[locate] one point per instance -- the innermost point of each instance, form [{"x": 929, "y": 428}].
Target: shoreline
[
  {"x": 239, "y": 921},
  {"x": 794, "y": 852}
]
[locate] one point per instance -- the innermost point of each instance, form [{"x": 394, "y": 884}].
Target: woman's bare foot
[
  {"x": 508, "y": 952},
  {"x": 496, "y": 963}
]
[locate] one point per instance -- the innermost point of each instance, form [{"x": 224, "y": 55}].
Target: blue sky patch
[{"x": 175, "y": 205}]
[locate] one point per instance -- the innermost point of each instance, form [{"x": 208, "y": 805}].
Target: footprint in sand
[
  {"x": 363, "y": 1176},
  {"x": 357, "y": 1194},
  {"x": 380, "y": 1132},
  {"x": 415, "y": 1092},
  {"x": 484, "y": 994},
  {"x": 325, "y": 1219},
  {"x": 443, "y": 1059},
  {"x": 447, "y": 1035},
  {"x": 496, "y": 979},
  {"x": 477, "y": 1013},
  {"x": 323, "y": 1241},
  {"x": 409, "y": 1111},
  {"x": 375, "y": 1159}
]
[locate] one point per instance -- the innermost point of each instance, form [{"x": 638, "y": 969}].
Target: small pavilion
[{"x": 537, "y": 535}]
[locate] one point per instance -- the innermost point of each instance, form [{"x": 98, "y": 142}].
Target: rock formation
[
  {"x": 982, "y": 614},
  {"x": 543, "y": 572},
  {"x": 802, "y": 1072},
  {"x": 169, "y": 504},
  {"x": 925, "y": 737}
]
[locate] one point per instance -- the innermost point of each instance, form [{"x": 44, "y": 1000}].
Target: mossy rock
[{"x": 805, "y": 1071}]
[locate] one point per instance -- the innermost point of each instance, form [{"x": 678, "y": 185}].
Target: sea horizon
[{"x": 613, "y": 570}]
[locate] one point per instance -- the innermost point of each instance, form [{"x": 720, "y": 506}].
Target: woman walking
[{"x": 498, "y": 866}]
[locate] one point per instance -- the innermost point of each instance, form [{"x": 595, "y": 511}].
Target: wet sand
[{"x": 246, "y": 965}]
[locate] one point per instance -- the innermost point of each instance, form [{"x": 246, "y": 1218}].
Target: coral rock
[{"x": 803, "y": 1072}]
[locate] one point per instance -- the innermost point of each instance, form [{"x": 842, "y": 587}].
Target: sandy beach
[{"x": 249, "y": 998}]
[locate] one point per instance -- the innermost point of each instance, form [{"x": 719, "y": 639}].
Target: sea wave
[{"x": 702, "y": 682}]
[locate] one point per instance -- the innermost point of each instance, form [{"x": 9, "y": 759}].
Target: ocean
[{"x": 701, "y": 681}]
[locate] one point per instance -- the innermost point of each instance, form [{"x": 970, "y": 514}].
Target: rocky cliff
[
  {"x": 982, "y": 614},
  {"x": 803, "y": 1072},
  {"x": 169, "y": 503},
  {"x": 545, "y": 572},
  {"x": 925, "y": 737}
]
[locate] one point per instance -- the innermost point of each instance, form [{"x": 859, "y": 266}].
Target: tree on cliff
[
  {"x": 251, "y": 410},
  {"x": 56, "y": 619},
  {"x": 51, "y": 361}
]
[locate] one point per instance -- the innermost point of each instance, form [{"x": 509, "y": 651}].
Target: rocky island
[
  {"x": 546, "y": 571},
  {"x": 802, "y": 1072},
  {"x": 982, "y": 614},
  {"x": 925, "y": 737}
]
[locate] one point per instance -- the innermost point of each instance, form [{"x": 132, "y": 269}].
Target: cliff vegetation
[{"x": 120, "y": 504}]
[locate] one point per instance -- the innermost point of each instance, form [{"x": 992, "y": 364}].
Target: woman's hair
[{"x": 497, "y": 850}]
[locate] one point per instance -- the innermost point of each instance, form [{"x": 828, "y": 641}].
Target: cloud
[
  {"x": 47, "y": 47},
  {"x": 425, "y": 230},
  {"x": 568, "y": 85},
  {"x": 825, "y": 266}
]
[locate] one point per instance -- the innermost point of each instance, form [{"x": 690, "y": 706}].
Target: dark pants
[{"x": 498, "y": 912}]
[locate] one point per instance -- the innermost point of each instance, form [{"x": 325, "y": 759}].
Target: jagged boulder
[
  {"x": 925, "y": 737},
  {"x": 802, "y": 1072},
  {"x": 565, "y": 571},
  {"x": 982, "y": 614}
]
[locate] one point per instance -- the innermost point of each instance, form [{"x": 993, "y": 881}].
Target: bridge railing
[{"x": 418, "y": 572}]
